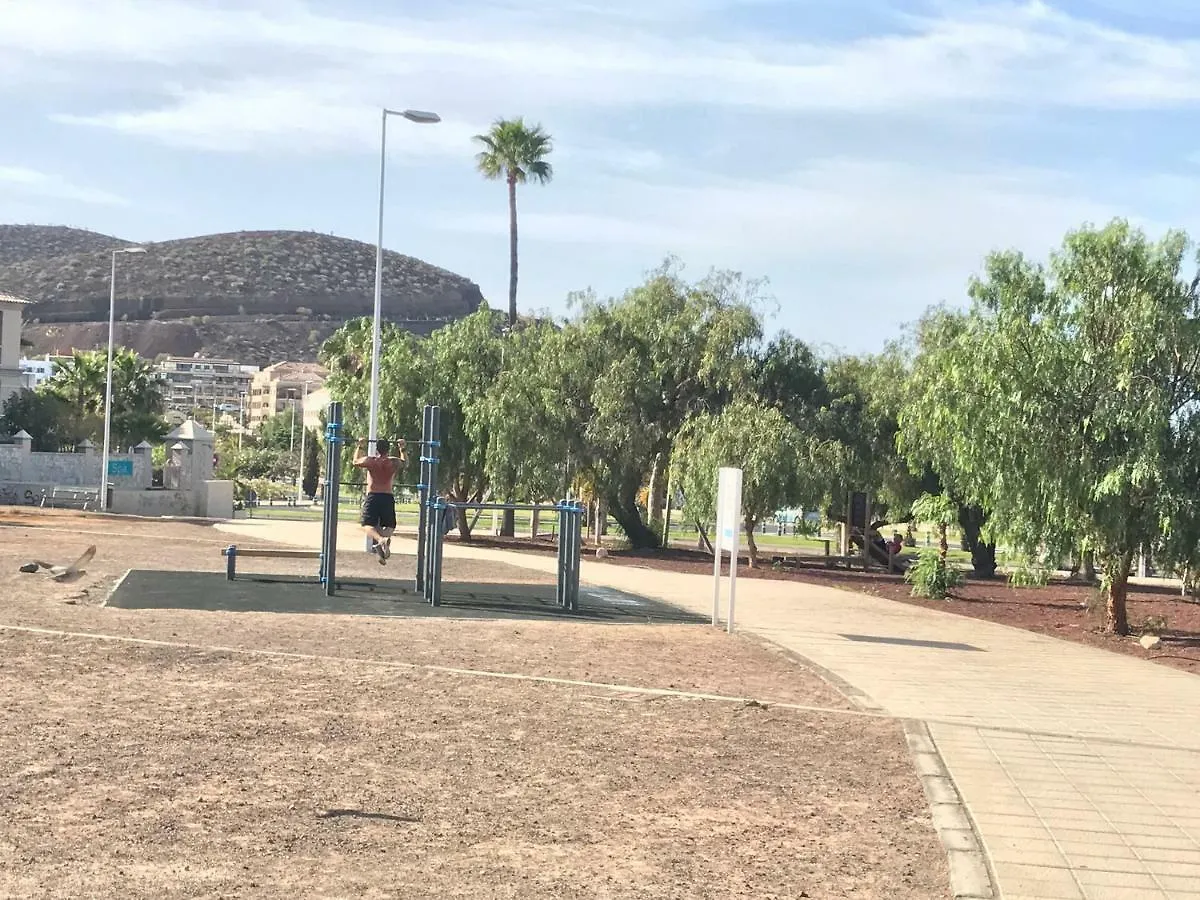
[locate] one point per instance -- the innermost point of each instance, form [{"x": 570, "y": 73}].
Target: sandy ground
[{"x": 258, "y": 755}]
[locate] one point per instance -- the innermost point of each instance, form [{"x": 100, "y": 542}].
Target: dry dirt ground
[{"x": 193, "y": 754}]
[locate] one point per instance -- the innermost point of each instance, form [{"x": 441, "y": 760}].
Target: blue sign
[{"x": 121, "y": 468}]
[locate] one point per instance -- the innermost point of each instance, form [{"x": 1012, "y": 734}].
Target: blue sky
[{"x": 863, "y": 155}]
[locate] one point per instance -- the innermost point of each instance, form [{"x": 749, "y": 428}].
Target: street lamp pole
[
  {"x": 420, "y": 118},
  {"x": 303, "y": 438},
  {"x": 108, "y": 378}
]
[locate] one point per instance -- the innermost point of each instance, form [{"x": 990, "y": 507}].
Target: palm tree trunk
[{"x": 512, "y": 250}]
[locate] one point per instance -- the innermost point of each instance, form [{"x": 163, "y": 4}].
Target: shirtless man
[{"x": 379, "y": 505}]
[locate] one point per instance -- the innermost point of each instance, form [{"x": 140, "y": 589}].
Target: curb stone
[{"x": 971, "y": 877}]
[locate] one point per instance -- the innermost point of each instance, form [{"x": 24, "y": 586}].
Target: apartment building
[
  {"x": 11, "y": 309},
  {"x": 194, "y": 383},
  {"x": 278, "y": 386}
]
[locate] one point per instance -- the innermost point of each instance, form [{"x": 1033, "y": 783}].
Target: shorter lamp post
[{"x": 108, "y": 380}]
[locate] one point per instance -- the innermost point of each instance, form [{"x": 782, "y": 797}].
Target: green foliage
[
  {"x": 1064, "y": 400},
  {"x": 1030, "y": 573},
  {"x": 931, "y": 576},
  {"x": 47, "y": 419},
  {"x": 138, "y": 400},
  {"x": 774, "y": 456},
  {"x": 935, "y": 509},
  {"x": 281, "y": 431},
  {"x": 636, "y": 368},
  {"x": 312, "y": 465},
  {"x": 515, "y": 151}
]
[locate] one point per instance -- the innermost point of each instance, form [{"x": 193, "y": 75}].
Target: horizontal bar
[
  {"x": 503, "y": 507},
  {"x": 283, "y": 554}
]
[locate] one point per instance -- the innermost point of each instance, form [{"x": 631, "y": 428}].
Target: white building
[
  {"x": 35, "y": 372},
  {"x": 11, "y": 308},
  {"x": 194, "y": 383}
]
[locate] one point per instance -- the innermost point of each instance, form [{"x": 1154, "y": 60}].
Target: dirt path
[{"x": 359, "y": 770}]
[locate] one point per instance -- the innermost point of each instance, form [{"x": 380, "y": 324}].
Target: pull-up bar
[{"x": 350, "y": 439}]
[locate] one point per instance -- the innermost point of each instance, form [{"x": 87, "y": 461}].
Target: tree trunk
[
  {"x": 625, "y": 511},
  {"x": 464, "y": 524},
  {"x": 943, "y": 542},
  {"x": 971, "y": 520},
  {"x": 751, "y": 547},
  {"x": 508, "y": 523},
  {"x": 512, "y": 250},
  {"x": 702, "y": 541},
  {"x": 656, "y": 494},
  {"x": 534, "y": 522},
  {"x": 1089, "y": 566},
  {"x": 1116, "y": 617}
]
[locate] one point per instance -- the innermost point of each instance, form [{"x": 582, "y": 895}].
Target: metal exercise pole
[
  {"x": 423, "y": 495},
  {"x": 327, "y": 491},
  {"x": 576, "y": 550},
  {"x": 439, "y": 534},
  {"x": 430, "y": 454},
  {"x": 333, "y": 477},
  {"x": 560, "y": 585}
]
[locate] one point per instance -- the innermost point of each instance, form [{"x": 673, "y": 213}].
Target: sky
[{"x": 862, "y": 155}]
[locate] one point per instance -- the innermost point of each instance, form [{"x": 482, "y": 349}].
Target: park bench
[
  {"x": 232, "y": 552},
  {"x": 70, "y": 498}
]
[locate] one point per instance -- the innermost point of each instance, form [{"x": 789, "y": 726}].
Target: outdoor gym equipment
[{"x": 433, "y": 514}]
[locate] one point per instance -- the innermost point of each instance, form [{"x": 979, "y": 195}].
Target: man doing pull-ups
[{"x": 379, "y": 505}]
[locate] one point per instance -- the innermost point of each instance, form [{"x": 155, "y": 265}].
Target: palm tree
[
  {"x": 80, "y": 381},
  {"x": 517, "y": 153}
]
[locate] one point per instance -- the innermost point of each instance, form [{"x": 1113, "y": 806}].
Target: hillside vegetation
[
  {"x": 21, "y": 243},
  {"x": 260, "y": 296}
]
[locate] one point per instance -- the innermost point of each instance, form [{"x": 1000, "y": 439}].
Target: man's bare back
[
  {"x": 379, "y": 505},
  {"x": 381, "y": 472}
]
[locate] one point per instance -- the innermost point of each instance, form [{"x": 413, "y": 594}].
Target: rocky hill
[
  {"x": 20, "y": 243},
  {"x": 258, "y": 297}
]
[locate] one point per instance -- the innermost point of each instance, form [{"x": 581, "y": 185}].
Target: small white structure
[
  {"x": 728, "y": 537},
  {"x": 11, "y": 309}
]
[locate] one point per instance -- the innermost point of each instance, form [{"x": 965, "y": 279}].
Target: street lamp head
[
  {"x": 421, "y": 117},
  {"x": 131, "y": 250}
]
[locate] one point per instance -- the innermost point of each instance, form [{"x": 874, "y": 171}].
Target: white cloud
[
  {"x": 306, "y": 116},
  {"x": 837, "y": 219},
  {"x": 270, "y": 74},
  {"x": 567, "y": 228},
  {"x": 22, "y": 182}
]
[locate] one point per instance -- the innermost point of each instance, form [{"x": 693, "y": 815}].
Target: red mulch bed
[{"x": 1060, "y": 609}]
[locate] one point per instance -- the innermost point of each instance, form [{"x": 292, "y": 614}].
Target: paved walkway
[{"x": 1080, "y": 767}]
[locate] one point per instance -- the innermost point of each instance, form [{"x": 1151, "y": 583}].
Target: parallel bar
[{"x": 518, "y": 507}]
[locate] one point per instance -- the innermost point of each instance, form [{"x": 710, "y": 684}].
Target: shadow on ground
[{"x": 211, "y": 591}]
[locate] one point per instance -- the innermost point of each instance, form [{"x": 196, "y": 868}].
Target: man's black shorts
[{"x": 379, "y": 511}]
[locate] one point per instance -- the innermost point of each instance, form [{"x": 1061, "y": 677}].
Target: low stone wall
[
  {"x": 217, "y": 500},
  {"x": 154, "y": 503},
  {"x": 19, "y": 465}
]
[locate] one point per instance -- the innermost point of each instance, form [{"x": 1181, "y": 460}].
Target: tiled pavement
[{"x": 1079, "y": 767}]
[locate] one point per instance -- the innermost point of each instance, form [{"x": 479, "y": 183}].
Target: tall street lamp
[
  {"x": 420, "y": 118},
  {"x": 108, "y": 379}
]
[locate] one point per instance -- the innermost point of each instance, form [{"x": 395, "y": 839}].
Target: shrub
[
  {"x": 932, "y": 577},
  {"x": 1030, "y": 573}
]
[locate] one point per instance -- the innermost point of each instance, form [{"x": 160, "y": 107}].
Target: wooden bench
[
  {"x": 232, "y": 552},
  {"x": 70, "y": 498}
]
